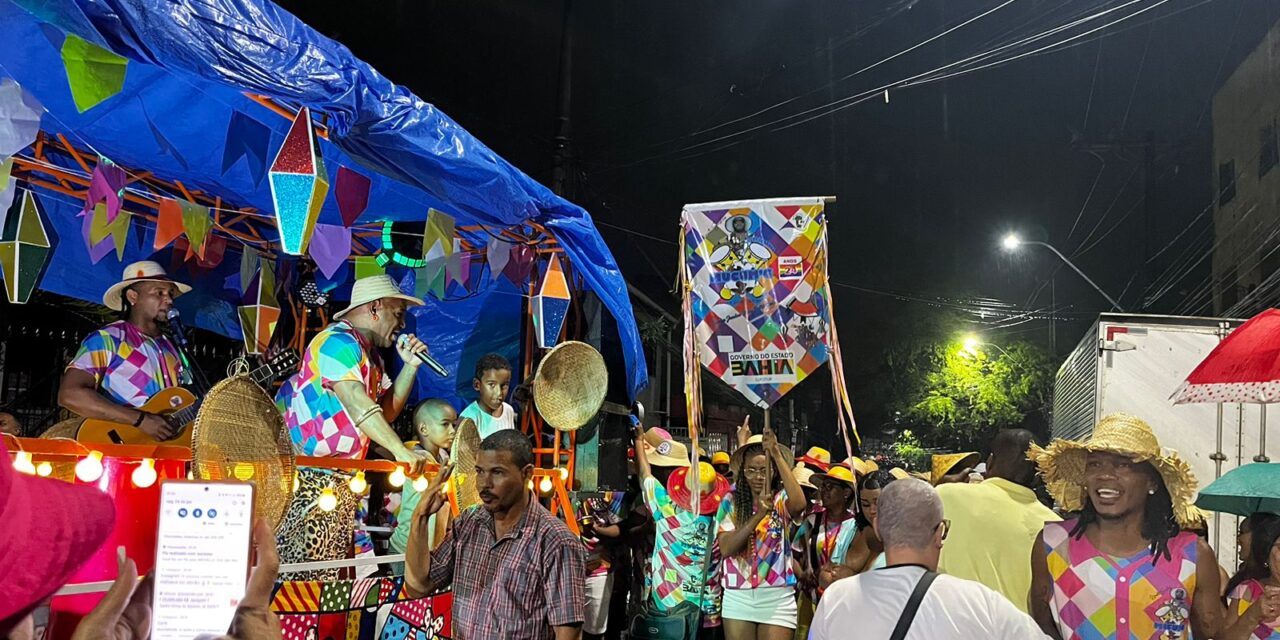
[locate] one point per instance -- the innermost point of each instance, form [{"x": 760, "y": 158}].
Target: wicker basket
[
  {"x": 570, "y": 385},
  {"x": 239, "y": 435}
]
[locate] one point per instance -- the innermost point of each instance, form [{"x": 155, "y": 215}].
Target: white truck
[{"x": 1135, "y": 363}]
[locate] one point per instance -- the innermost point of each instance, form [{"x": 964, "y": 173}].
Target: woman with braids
[
  {"x": 1125, "y": 567},
  {"x": 1254, "y": 591},
  {"x": 759, "y": 584}
]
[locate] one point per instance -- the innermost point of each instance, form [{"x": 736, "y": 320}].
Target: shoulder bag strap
[{"x": 913, "y": 605}]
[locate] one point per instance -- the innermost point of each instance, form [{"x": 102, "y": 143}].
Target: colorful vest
[
  {"x": 1249, "y": 592},
  {"x": 1096, "y": 596}
]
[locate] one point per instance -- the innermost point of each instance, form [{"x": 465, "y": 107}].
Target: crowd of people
[{"x": 749, "y": 544}]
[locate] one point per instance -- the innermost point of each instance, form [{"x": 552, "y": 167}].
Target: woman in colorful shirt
[
  {"x": 1126, "y": 567},
  {"x": 759, "y": 597},
  {"x": 866, "y": 552},
  {"x": 1254, "y": 597}
]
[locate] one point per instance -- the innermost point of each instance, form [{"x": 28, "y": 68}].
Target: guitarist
[{"x": 120, "y": 366}]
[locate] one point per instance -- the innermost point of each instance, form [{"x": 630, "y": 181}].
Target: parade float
[{"x": 266, "y": 166}]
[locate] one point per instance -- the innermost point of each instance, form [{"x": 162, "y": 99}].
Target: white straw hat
[
  {"x": 143, "y": 271},
  {"x": 366, "y": 290}
]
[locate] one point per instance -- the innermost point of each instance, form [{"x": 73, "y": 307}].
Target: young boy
[
  {"x": 433, "y": 422},
  {"x": 490, "y": 412}
]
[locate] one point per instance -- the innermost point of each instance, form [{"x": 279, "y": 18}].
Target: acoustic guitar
[{"x": 178, "y": 406}]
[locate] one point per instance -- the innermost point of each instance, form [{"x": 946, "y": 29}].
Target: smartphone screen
[{"x": 202, "y": 557}]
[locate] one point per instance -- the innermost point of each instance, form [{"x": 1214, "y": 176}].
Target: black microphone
[
  {"x": 429, "y": 361},
  {"x": 174, "y": 327}
]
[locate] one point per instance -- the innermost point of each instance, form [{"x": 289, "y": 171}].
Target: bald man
[
  {"x": 994, "y": 523},
  {"x": 10, "y": 425},
  {"x": 910, "y": 522}
]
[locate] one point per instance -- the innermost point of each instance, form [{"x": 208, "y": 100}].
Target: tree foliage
[{"x": 957, "y": 398}]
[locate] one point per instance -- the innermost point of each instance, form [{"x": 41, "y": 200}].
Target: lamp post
[
  {"x": 972, "y": 344},
  {"x": 1011, "y": 242}
]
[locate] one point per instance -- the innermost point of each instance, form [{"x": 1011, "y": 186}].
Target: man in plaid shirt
[{"x": 517, "y": 571}]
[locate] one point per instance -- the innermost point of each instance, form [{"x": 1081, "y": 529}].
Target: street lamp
[
  {"x": 1011, "y": 242},
  {"x": 972, "y": 344}
]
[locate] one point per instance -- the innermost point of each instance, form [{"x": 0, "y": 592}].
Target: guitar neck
[{"x": 187, "y": 415}]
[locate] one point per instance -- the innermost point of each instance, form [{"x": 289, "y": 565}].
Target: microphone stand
[{"x": 198, "y": 379}]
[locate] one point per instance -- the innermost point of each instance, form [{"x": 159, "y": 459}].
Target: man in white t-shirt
[
  {"x": 490, "y": 412},
  {"x": 910, "y": 523}
]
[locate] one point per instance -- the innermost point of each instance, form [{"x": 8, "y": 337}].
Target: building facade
[{"x": 1246, "y": 148}]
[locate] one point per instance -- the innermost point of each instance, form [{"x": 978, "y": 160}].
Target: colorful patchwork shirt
[
  {"x": 681, "y": 541},
  {"x": 768, "y": 561},
  {"x": 128, "y": 365},
  {"x": 317, "y": 423}
]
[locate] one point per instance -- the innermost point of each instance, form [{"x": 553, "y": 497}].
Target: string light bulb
[
  {"x": 22, "y": 463},
  {"x": 89, "y": 469},
  {"x": 145, "y": 475},
  {"x": 397, "y": 477},
  {"x": 420, "y": 484},
  {"x": 44, "y": 469},
  {"x": 545, "y": 485},
  {"x": 327, "y": 501},
  {"x": 358, "y": 484},
  {"x": 564, "y": 474}
]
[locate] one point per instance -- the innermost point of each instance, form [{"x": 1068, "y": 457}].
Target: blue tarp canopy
[{"x": 184, "y": 112}]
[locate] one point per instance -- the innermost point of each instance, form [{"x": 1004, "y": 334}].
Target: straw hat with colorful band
[
  {"x": 712, "y": 488},
  {"x": 668, "y": 453},
  {"x": 818, "y": 457},
  {"x": 720, "y": 457},
  {"x": 1063, "y": 464},
  {"x": 804, "y": 476},
  {"x": 143, "y": 271},
  {"x": 371, "y": 288},
  {"x": 838, "y": 473},
  {"x": 756, "y": 439},
  {"x": 945, "y": 463}
]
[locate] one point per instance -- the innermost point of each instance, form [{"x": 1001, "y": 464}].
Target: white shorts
[
  {"x": 599, "y": 590},
  {"x": 763, "y": 605}
]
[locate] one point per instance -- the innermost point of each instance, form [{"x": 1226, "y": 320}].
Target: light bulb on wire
[
  {"x": 545, "y": 485},
  {"x": 397, "y": 477},
  {"x": 358, "y": 484},
  {"x": 327, "y": 501},
  {"x": 44, "y": 469},
  {"x": 22, "y": 463},
  {"x": 420, "y": 484},
  {"x": 145, "y": 475},
  {"x": 89, "y": 469}
]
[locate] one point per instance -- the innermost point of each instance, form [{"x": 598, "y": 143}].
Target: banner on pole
[{"x": 756, "y": 291}]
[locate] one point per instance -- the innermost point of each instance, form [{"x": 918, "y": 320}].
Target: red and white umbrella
[{"x": 1245, "y": 367}]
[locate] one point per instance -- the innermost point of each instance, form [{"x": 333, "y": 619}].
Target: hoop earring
[{"x": 1151, "y": 492}]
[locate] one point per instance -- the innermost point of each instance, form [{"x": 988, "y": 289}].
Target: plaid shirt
[{"x": 516, "y": 587}]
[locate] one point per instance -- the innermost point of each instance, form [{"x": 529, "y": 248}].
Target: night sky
[{"x": 927, "y": 183}]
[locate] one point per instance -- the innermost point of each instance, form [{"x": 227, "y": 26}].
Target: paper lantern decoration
[
  {"x": 551, "y": 305},
  {"x": 299, "y": 184},
  {"x": 24, "y": 246},
  {"x": 258, "y": 321}
]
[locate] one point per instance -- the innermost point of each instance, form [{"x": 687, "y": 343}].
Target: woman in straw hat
[
  {"x": 1124, "y": 567},
  {"x": 759, "y": 597},
  {"x": 866, "y": 550},
  {"x": 825, "y": 535}
]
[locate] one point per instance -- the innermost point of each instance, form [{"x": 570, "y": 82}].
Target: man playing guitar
[{"x": 120, "y": 366}]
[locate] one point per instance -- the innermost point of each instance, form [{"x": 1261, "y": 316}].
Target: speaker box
[{"x": 601, "y": 460}]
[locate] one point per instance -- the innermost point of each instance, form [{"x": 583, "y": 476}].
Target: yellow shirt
[{"x": 993, "y": 527}]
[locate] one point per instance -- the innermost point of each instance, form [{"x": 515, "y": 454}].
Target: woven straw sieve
[
  {"x": 239, "y": 435},
  {"x": 570, "y": 385}
]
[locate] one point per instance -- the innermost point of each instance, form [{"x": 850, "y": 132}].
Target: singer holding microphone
[
  {"x": 335, "y": 404},
  {"x": 120, "y": 366}
]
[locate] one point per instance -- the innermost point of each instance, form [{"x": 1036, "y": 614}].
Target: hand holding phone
[{"x": 202, "y": 557}]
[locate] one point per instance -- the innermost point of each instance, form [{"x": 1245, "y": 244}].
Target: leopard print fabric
[{"x": 309, "y": 533}]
